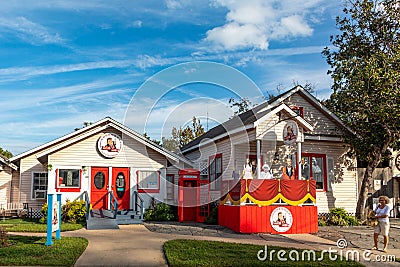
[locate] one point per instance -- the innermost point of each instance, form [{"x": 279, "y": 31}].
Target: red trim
[
  {"x": 68, "y": 189},
  {"x": 144, "y": 190},
  {"x": 298, "y": 110},
  {"x": 324, "y": 168}
]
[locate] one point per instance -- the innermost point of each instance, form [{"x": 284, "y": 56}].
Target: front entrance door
[
  {"x": 120, "y": 187},
  {"x": 99, "y": 187}
]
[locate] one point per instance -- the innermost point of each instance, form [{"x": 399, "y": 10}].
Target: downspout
[{"x": 258, "y": 158}]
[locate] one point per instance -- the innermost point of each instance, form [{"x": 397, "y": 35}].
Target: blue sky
[{"x": 66, "y": 62}]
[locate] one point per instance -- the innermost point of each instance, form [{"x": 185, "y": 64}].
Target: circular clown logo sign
[
  {"x": 109, "y": 145},
  {"x": 281, "y": 219},
  {"x": 290, "y": 132}
]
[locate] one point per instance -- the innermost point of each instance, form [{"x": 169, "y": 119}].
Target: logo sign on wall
[
  {"x": 281, "y": 219},
  {"x": 109, "y": 145},
  {"x": 290, "y": 132}
]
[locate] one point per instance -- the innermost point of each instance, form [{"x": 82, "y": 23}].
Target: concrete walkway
[{"x": 136, "y": 245}]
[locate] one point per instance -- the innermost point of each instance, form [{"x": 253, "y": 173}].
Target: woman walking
[{"x": 382, "y": 214}]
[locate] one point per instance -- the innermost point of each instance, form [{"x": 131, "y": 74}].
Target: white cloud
[
  {"x": 30, "y": 32},
  {"x": 292, "y": 26},
  {"x": 22, "y": 73},
  {"x": 135, "y": 24},
  {"x": 235, "y": 36},
  {"x": 253, "y": 23},
  {"x": 173, "y": 4}
]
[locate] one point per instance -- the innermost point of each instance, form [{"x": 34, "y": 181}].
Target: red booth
[
  {"x": 193, "y": 196},
  {"x": 269, "y": 206}
]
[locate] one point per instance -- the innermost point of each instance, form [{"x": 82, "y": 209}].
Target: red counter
[{"x": 251, "y": 206}]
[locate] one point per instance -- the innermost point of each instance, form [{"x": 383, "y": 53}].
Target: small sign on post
[{"x": 53, "y": 218}]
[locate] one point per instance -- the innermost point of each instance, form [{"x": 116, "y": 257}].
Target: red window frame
[
  {"x": 172, "y": 185},
  {"x": 211, "y": 160},
  {"x": 68, "y": 189},
  {"x": 144, "y": 190},
  {"x": 298, "y": 110},
  {"x": 324, "y": 168}
]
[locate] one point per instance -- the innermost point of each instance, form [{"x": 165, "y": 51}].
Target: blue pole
[
  {"x": 49, "y": 241},
  {"x": 58, "y": 232}
]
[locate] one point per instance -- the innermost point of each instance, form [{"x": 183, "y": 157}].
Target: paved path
[{"x": 136, "y": 245}]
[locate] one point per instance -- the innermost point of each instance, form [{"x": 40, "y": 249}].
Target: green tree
[
  {"x": 182, "y": 136},
  {"x": 6, "y": 153},
  {"x": 365, "y": 67},
  {"x": 85, "y": 124},
  {"x": 240, "y": 106},
  {"x": 152, "y": 140}
]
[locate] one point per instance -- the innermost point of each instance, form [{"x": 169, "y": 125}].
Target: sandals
[{"x": 374, "y": 248}]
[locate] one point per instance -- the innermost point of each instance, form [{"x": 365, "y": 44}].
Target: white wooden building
[
  {"x": 109, "y": 157},
  {"x": 259, "y": 134},
  {"x": 101, "y": 158}
]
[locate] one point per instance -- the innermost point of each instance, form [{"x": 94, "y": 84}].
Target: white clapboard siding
[
  {"x": 28, "y": 166},
  {"x": 345, "y": 190},
  {"x": 84, "y": 153},
  {"x": 266, "y": 130},
  {"x": 320, "y": 121},
  {"x": 5, "y": 184},
  {"x": 15, "y": 183}
]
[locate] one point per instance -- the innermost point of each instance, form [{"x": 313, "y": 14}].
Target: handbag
[{"x": 371, "y": 219}]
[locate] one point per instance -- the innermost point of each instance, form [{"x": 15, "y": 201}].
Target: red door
[
  {"x": 188, "y": 201},
  {"x": 120, "y": 187},
  {"x": 99, "y": 188}
]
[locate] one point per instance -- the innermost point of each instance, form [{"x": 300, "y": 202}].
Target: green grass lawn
[
  {"x": 31, "y": 250},
  {"x": 33, "y": 225},
  {"x": 180, "y": 253}
]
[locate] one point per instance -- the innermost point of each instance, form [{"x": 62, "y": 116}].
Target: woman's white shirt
[{"x": 381, "y": 212}]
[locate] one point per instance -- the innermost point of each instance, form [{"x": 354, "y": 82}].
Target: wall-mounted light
[{"x": 84, "y": 169}]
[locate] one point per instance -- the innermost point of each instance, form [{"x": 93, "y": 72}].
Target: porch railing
[
  {"x": 113, "y": 203},
  {"x": 85, "y": 196},
  {"x": 138, "y": 205}
]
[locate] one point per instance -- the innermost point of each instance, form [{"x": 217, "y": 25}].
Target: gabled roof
[
  {"x": 248, "y": 119},
  {"x": 94, "y": 128},
  {"x": 6, "y": 161}
]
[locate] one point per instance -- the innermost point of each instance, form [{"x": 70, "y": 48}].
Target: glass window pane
[
  {"x": 69, "y": 177},
  {"x": 318, "y": 171},
  {"x": 331, "y": 175},
  {"x": 39, "y": 182},
  {"x": 148, "y": 180},
  {"x": 99, "y": 180}
]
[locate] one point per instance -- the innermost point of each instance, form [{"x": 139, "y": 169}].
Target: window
[
  {"x": 39, "y": 185},
  {"x": 170, "y": 186},
  {"x": 148, "y": 181},
  {"x": 69, "y": 178},
  {"x": 215, "y": 171},
  {"x": 203, "y": 167},
  {"x": 314, "y": 167},
  {"x": 331, "y": 175},
  {"x": 298, "y": 110}
]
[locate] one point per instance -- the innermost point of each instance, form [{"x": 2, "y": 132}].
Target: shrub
[
  {"x": 74, "y": 211},
  {"x": 340, "y": 217},
  {"x": 321, "y": 222},
  {"x": 213, "y": 216},
  {"x": 71, "y": 211},
  {"x": 3, "y": 238},
  {"x": 161, "y": 212}
]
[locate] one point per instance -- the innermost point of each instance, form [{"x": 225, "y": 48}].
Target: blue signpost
[{"x": 53, "y": 218}]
